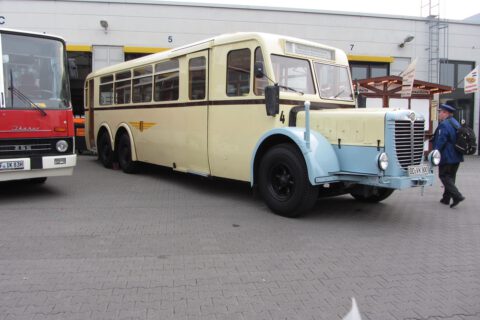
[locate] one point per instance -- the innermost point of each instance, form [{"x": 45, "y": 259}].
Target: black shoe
[
  {"x": 457, "y": 201},
  {"x": 445, "y": 201}
]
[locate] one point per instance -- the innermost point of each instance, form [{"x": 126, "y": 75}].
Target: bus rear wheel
[
  {"x": 371, "y": 194},
  {"x": 283, "y": 182},
  {"x": 105, "y": 152},
  {"x": 125, "y": 155}
]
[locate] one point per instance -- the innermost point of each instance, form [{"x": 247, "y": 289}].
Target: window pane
[
  {"x": 122, "y": 91},
  {"x": 333, "y": 82},
  {"x": 294, "y": 73},
  {"x": 123, "y": 75},
  {"x": 142, "y": 89},
  {"x": 142, "y": 71},
  {"x": 238, "y": 73},
  {"x": 378, "y": 71},
  {"x": 259, "y": 84},
  {"x": 463, "y": 70},
  {"x": 197, "y": 78},
  {"x": 106, "y": 94},
  {"x": 166, "y": 83},
  {"x": 106, "y": 79},
  {"x": 167, "y": 66},
  {"x": 359, "y": 72},
  {"x": 446, "y": 74}
]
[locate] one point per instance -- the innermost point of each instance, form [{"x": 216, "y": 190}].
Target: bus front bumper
[{"x": 37, "y": 167}]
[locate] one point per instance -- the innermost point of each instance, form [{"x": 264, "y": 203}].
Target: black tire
[
  {"x": 124, "y": 153},
  {"x": 105, "y": 152},
  {"x": 37, "y": 180},
  {"x": 371, "y": 194},
  {"x": 283, "y": 181}
]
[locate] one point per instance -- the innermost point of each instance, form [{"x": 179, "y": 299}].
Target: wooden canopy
[{"x": 390, "y": 87}]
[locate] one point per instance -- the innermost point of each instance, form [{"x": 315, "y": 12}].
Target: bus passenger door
[
  {"x": 89, "y": 123},
  {"x": 191, "y": 135}
]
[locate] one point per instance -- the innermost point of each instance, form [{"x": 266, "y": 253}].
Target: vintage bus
[
  {"x": 36, "y": 121},
  {"x": 275, "y": 111}
]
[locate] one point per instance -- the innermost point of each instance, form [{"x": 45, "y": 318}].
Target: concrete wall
[{"x": 147, "y": 23}]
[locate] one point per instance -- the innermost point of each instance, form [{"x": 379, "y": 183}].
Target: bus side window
[
  {"x": 197, "y": 78},
  {"x": 238, "y": 73},
  {"x": 166, "y": 81},
  {"x": 123, "y": 85},
  {"x": 259, "y": 84},
  {"x": 142, "y": 84},
  {"x": 106, "y": 90}
]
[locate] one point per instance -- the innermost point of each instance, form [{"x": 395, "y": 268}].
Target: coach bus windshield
[
  {"x": 333, "y": 82},
  {"x": 34, "y": 72}
]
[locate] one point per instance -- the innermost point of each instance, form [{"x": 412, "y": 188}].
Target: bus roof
[
  {"x": 33, "y": 34},
  {"x": 272, "y": 40}
]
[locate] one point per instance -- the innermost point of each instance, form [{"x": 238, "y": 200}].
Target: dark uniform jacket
[{"x": 444, "y": 141}]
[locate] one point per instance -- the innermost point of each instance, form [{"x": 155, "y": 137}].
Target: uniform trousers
[{"x": 448, "y": 174}]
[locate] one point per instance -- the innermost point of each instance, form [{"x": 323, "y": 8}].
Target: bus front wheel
[
  {"x": 283, "y": 182},
  {"x": 105, "y": 152},
  {"x": 125, "y": 155}
]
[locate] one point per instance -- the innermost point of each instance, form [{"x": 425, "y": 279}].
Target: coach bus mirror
[
  {"x": 272, "y": 100},
  {"x": 259, "y": 70}
]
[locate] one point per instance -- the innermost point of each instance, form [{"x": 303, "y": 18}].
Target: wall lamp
[
  {"x": 104, "y": 25},
  {"x": 407, "y": 39}
]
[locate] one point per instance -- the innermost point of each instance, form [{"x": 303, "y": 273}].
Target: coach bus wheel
[
  {"x": 371, "y": 194},
  {"x": 105, "y": 152},
  {"x": 283, "y": 182},
  {"x": 125, "y": 155}
]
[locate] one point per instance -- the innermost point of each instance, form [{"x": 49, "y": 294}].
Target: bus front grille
[
  {"x": 409, "y": 140},
  {"x": 17, "y": 148}
]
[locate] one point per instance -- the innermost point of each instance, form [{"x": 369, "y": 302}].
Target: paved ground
[{"x": 157, "y": 245}]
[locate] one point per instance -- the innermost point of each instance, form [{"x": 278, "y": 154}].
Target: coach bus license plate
[
  {"x": 11, "y": 165},
  {"x": 419, "y": 170}
]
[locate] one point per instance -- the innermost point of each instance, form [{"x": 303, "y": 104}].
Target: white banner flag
[
  {"x": 471, "y": 83},
  {"x": 408, "y": 76}
]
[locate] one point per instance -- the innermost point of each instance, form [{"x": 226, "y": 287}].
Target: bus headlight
[
  {"x": 383, "y": 161},
  {"x": 62, "y": 145},
  {"x": 434, "y": 157}
]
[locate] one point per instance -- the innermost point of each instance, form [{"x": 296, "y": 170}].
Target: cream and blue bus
[{"x": 275, "y": 111}]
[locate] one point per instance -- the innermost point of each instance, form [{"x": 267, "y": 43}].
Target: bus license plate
[
  {"x": 419, "y": 170},
  {"x": 12, "y": 165}
]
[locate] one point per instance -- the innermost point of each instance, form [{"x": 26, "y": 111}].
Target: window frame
[{"x": 238, "y": 82}]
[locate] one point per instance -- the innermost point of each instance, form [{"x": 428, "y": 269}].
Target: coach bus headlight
[
  {"x": 383, "y": 161},
  {"x": 62, "y": 146},
  {"x": 434, "y": 157}
]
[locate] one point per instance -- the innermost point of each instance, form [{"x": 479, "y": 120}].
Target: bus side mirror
[
  {"x": 259, "y": 70},
  {"x": 272, "y": 100}
]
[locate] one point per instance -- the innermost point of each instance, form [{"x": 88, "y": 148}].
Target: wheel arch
[
  {"x": 123, "y": 128},
  {"x": 320, "y": 159},
  {"x": 104, "y": 128}
]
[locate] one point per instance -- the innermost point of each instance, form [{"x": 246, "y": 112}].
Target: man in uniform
[{"x": 444, "y": 141}]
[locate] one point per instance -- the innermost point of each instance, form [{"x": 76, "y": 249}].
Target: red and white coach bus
[{"x": 36, "y": 120}]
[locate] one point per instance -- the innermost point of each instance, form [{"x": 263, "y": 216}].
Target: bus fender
[
  {"x": 320, "y": 158},
  {"x": 132, "y": 143}
]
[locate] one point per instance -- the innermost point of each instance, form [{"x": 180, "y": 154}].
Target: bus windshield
[
  {"x": 294, "y": 73},
  {"x": 333, "y": 82},
  {"x": 34, "y": 73}
]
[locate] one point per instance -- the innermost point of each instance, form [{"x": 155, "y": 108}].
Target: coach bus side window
[
  {"x": 123, "y": 86},
  {"x": 259, "y": 84},
  {"x": 142, "y": 84},
  {"x": 106, "y": 90},
  {"x": 197, "y": 78},
  {"x": 166, "y": 81},
  {"x": 238, "y": 72}
]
